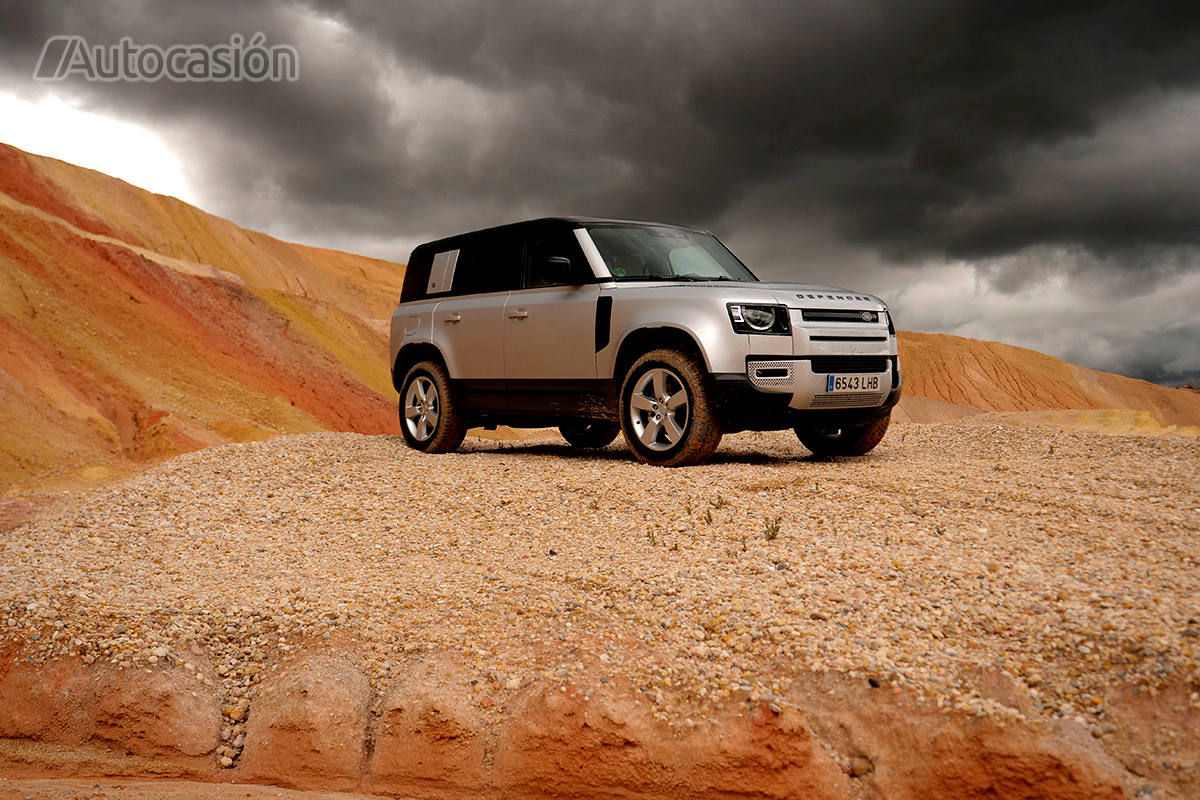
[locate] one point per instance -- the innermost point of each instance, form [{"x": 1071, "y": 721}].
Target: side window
[
  {"x": 555, "y": 259},
  {"x": 416, "y": 275},
  {"x": 488, "y": 264}
]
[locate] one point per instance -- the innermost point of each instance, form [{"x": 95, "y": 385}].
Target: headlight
[{"x": 759, "y": 319}]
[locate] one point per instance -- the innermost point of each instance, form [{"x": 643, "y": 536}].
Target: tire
[
  {"x": 851, "y": 441},
  {"x": 429, "y": 415},
  {"x": 589, "y": 432},
  {"x": 666, "y": 410}
]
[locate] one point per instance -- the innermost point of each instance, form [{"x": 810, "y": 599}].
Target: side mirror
[{"x": 555, "y": 271}]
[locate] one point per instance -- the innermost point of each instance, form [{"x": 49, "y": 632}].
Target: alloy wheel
[
  {"x": 421, "y": 408},
  {"x": 658, "y": 409}
]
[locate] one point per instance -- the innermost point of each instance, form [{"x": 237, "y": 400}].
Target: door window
[
  {"x": 488, "y": 264},
  {"x": 555, "y": 259}
]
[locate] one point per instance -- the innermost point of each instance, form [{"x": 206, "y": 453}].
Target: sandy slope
[
  {"x": 133, "y": 325},
  {"x": 992, "y": 376}
]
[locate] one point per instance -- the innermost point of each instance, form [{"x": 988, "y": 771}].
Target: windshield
[{"x": 651, "y": 253}]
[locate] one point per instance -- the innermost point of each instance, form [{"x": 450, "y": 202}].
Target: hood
[
  {"x": 792, "y": 295},
  {"x": 811, "y": 295}
]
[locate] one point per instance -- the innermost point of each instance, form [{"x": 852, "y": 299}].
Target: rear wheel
[
  {"x": 666, "y": 412},
  {"x": 429, "y": 416},
  {"x": 589, "y": 432},
  {"x": 849, "y": 441}
]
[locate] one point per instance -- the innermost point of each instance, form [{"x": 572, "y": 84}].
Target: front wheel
[
  {"x": 429, "y": 415},
  {"x": 589, "y": 432},
  {"x": 849, "y": 441},
  {"x": 666, "y": 412}
]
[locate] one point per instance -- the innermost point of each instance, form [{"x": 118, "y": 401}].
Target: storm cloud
[{"x": 971, "y": 160}]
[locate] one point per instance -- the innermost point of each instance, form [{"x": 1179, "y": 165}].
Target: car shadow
[{"x": 622, "y": 453}]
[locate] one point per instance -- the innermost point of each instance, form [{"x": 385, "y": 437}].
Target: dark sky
[{"x": 1021, "y": 171}]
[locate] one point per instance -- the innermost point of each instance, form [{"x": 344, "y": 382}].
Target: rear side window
[
  {"x": 488, "y": 264},
  {"x": 416, "y": 275}
]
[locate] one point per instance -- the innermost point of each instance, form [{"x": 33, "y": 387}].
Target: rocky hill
[
  {"x": 964, "y": 376},
  {"x": 134, "y": 325}
]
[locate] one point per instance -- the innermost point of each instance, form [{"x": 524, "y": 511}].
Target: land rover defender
[{"x": 599, "y": 327}]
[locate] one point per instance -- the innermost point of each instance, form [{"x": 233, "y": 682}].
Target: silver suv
[{"x": 659, "y": 332}]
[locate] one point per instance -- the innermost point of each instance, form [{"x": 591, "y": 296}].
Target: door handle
[
  {"x": 452, "y": 318},
  {"x": 520, "y": 313}
]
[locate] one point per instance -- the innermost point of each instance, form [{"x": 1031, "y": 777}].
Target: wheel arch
[
  {"x": 411, "y": 354},
  {"x": 640, "y": 341}
]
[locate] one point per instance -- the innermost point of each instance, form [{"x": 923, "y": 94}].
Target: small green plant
[
  {"x": 771, "y": 528},
  {"x": 720, "y": 502},
  {"x": 595, "y": 504},
  {"x": 708, "y": 516},
  {"x": 651, "y": 537}
]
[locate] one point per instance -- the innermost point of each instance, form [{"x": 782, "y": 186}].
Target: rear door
[
  {"x": 468, "y": 325},
  {"x": 550, "y": 326}
]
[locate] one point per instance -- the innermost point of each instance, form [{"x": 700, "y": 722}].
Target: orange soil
[
  {"x": 160, "y": 329},
  {"x": 992, "y": 376}
]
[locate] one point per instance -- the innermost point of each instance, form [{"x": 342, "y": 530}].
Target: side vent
[{"x": 603, "y": 321}]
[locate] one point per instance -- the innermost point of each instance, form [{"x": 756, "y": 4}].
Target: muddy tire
[
  {"x": 851, "y": 441},
  {"x": 666, "y": 410},
  {"x": 429, "y": 415}
]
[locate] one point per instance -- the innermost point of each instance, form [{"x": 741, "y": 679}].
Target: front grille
[
  {"x": 848, "y": 400},
  {"x": 831, "y": 365},
  {"x": 837, "y": 315}
]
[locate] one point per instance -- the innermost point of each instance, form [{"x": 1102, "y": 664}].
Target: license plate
[{"x": 852, "y": 383}]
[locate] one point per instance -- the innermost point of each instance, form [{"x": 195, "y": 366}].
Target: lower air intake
[{"x": 848, "y": 400}]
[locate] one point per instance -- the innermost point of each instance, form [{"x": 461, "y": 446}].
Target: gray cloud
[{"x": 864, "y": 142}]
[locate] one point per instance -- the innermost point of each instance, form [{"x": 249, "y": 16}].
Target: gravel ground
[{"x": 1066, "y": 560}]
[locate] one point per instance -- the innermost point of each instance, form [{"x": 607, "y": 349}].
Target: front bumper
[
  {"x": 806, "y": 380},
  {"x": 777, "y": 393}
]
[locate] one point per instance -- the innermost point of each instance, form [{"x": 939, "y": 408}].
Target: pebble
[{"x": 860, "y": 765}]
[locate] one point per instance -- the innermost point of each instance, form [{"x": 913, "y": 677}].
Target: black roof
[{"x": 548, "y": 221}]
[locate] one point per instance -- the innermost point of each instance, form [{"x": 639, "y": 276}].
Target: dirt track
[{"x": 1014, "y": 575}]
